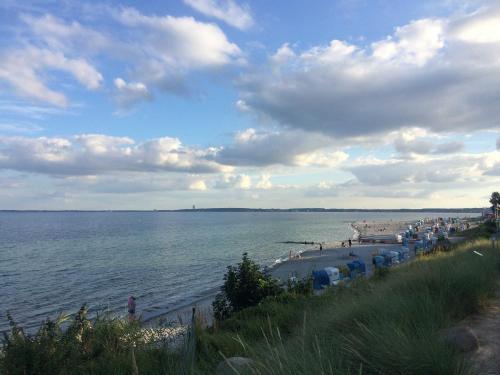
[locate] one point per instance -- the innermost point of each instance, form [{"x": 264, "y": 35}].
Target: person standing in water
[
  {"x": 320, "y": 248},
  {"x": 350, "y": 243},
  {"x": 131, "y": 309}
]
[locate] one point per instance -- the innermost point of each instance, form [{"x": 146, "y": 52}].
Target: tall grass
[
  {"x": 102, "y": 346},
  {"x": 385, "y": 325}
]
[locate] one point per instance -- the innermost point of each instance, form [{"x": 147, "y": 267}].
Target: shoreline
[
  {"x": 302, "y": 263},
  {"x": 182, "y": 313}
]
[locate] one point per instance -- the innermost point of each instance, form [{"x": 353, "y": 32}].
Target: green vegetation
[
  {"x": 385, "y": 325},
  {"x": 102, "y": 346},
  {"x": 244, "y": 285},
  {"x": 495, "y": 202},
  {"x": 484, "y": 230}
]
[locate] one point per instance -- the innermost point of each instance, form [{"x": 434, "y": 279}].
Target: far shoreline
[{"x": 236, "y": 209}]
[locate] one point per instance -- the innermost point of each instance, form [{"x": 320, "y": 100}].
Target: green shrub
[
  {"x": 102, "y": 346},
  {"x": 381, "y": 272},
  {"x": 245, "y": 285},
  {"x": 302, "y": 287}
]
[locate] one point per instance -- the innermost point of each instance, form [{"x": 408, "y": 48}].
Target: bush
[
  {"x": 381, "y": 272},
  {"x": 245, "y": 285},
  {"x": 302, "y": 287},
  {"x": 81, "y": 346}
]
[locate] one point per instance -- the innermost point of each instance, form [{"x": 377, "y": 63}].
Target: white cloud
[
  {"x": 23, "y": 68},
  {"x": 425, "y": 146},
  {"x": 13, "y": 127},
  {"x": 129, "y": 93},
  {"x": 157, "y": 53},
  {"x": 93, "y": 154},
  {"x": 18, "y": 108},
  {"x": 415, "y": 43},
  {"x": 66, "y": 36},
  {"x": 452, "y": 170},
  {"x": 231, "y": 181},
  {"x": 481, "y": 26},
  {"x": 129, "y": 183},
  {"x": 198, "y": 185},
  {"x": 181, "y": 42},
  {"x": 252, "y": 147},
  {"x": 225, "y": 10},
  {"x": 321, "y": 159},
  {"x": 420, "y": 76},
  {"x": 265, "y": 182}
]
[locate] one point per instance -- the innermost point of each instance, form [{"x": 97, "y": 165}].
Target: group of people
[{"x": 349, "y": 244}]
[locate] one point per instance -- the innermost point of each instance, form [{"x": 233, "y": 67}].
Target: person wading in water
[{"x": 131, "y": 309}]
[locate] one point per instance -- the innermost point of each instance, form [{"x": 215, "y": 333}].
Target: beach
[
  {"x": 301, "y": 264},
  {"x": 169, "y": 261},
  {"x": 310, "y": 260}
]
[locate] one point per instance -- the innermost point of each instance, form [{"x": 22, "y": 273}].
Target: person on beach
[
  {"x": 350, "y": 243},
  {"x": 320, "y": 248},
  {"x": 131, "y": 309}
]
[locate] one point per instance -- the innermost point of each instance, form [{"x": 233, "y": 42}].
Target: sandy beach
[
  {"x": 312, "y": 260},
  {"x": 301, "y": 267}
]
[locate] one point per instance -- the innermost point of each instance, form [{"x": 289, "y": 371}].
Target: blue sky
[{"x": 221, "y": 103}]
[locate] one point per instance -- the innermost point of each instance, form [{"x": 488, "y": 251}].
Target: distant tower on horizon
[{"x": 194, "y": 207}]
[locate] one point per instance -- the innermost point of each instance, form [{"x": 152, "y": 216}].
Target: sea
[{"x": 53, "y": 262}]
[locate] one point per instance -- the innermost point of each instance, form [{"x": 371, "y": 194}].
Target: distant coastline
[{"x": 237, "y": 209}]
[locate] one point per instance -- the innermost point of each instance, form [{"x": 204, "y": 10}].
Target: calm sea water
[{"x": 52, "y": 262}]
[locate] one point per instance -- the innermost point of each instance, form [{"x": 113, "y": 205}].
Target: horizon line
[{"x": 251, "y": 209}]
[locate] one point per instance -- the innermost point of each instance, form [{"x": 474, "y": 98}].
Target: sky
[{"x": 270, "y": 104}]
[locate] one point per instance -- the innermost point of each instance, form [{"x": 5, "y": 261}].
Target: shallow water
[{"x": 52, "y": 262}]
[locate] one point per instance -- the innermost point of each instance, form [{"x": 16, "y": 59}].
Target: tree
[
  {"x": 245, "y": 285},
  {"x": 495, "y": 201}
]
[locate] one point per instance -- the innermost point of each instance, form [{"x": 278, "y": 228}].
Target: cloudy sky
[{"x": 222, "y": 103}]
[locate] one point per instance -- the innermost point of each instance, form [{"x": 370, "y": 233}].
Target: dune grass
[{"x": 386, "y": 325}]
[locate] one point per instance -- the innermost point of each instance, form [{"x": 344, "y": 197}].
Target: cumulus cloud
[
  {"x": 158, "y": 52},
  {"x": 231, "y": 181},
  {"x": 94, "y": 154},
  {"x": 265, "y": 182},
  {"x": 252, "y": 147},
  {"x": 428, "y": 146},
  {"x": 426, "y": 74},
  {"x": 176, "y": 41},
  {"x": 131, "y": 183},
  {"x": 225, "y": 10},
  {"x": 23, "y": 69},
  {"x": 479, "y": 27},
  {"x": 198, "y": 185},
  {"x": 465, "y": 168},
  {"x": 129, "y": 93}
]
